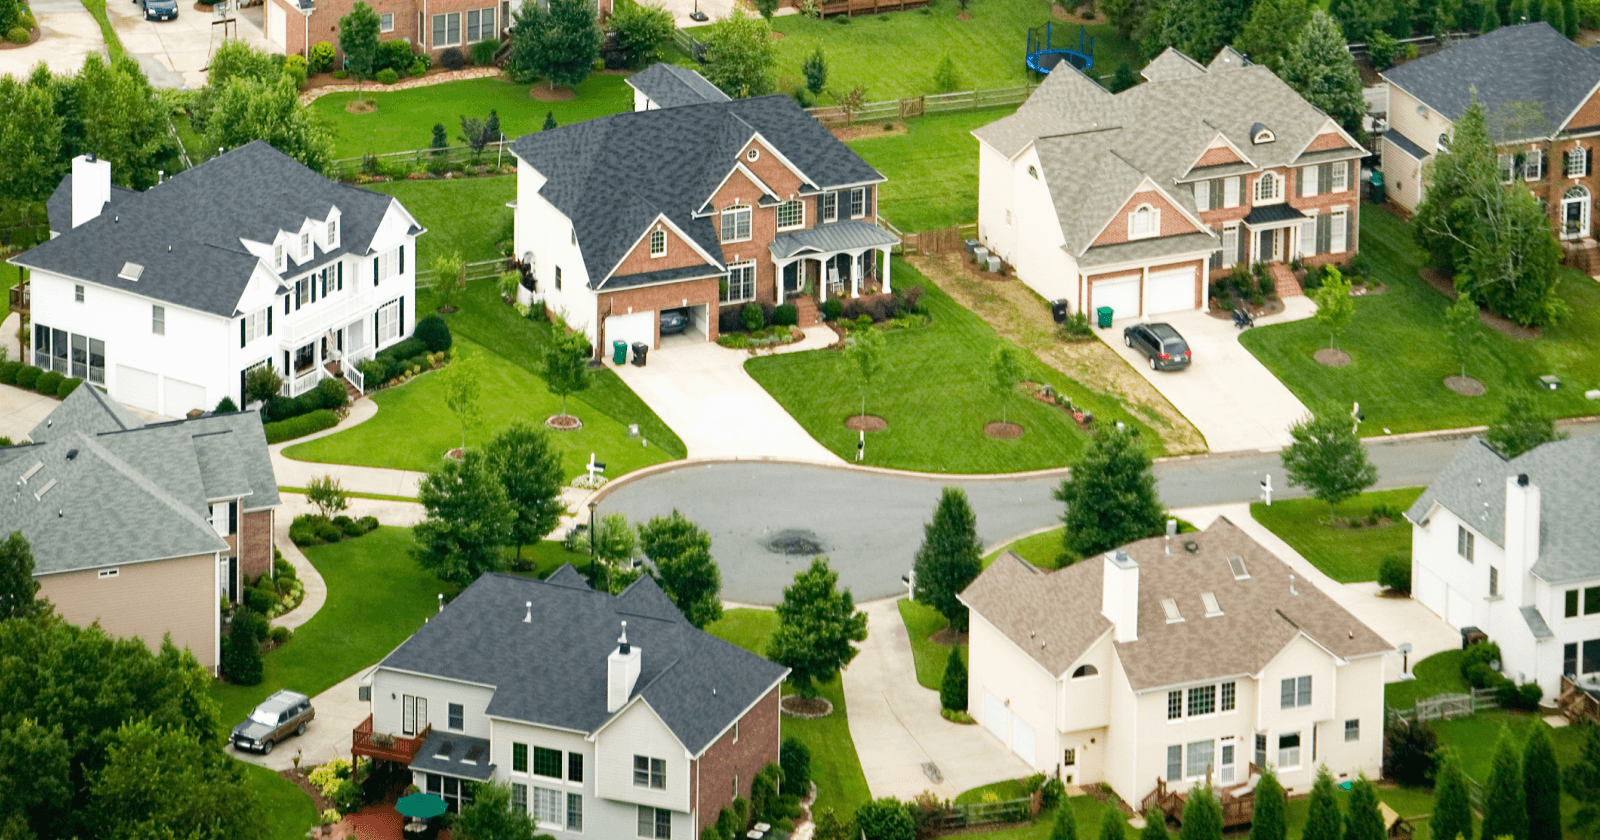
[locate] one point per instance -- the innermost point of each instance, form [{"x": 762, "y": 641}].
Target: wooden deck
[
  {"x": 1238, "y": 801},
  {"x": 868, "y": 7},
  {"x": 363, "y": 741},
  {"x": 1577, "y": 704}
]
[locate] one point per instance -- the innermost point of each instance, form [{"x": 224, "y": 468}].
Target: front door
[
  {"x": 1264, "y": 252},
  {"x": 1575, "y": 213}
]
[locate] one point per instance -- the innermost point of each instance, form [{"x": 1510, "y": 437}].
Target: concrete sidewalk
[{"x": 896, "y": 724}]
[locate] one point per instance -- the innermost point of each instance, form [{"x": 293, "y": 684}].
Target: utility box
[{"x": 994, "y": 263}]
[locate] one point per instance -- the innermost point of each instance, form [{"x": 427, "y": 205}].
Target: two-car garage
[{"x": 1146, "y": 293}]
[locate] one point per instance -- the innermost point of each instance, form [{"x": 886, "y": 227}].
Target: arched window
[
  {"x": 1085, "y": 671},
  {"x": 1142, "y": 222},
  {"x": 1033, "y": 172},
  {"x": 1269, "y": 187},
  {"x": 1444, "y": 141}
]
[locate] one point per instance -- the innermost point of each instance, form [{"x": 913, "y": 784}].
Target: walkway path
[
  {"x": 896, "y": 724},
  {"x": 387, "y": 482}
]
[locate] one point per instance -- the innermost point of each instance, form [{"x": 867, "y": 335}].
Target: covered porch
[
  {"x": 1276, "y": 234},
  {"x": 839, "y": 259}
]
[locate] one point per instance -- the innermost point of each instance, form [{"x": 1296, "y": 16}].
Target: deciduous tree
[
  {"x": 1110, "y": 496},
  {"x": 1334, "y": 305},
  {"x": 529, "y": 468},
  {"x": 490, "y": 816},
  {"x": 1466, "y": 333},
  {"x": 121, "y": 119},
  {"x": 817, "y": 622},
  {"x": 328, "y": 494},
  {"x": 1323, "y": 821},
  {"x": 1583, "y": 783},
  {"x": 864, "y": 357},
  {"x": 1005, "y": 371},
  {"x": 469, "y": 520},
  {"x": 1320, "y": 69},
  {"x": 560, "y": 45},
  {"x": 1541, "y": 782},
  {"x": 1328, "y": 459},
  {"x": 461, "y": 389},
  {"x": 615, "y": 543},
  {"x": 1452, "y": 810},
  {"x": 31, "y": 134},
  {"x": 740, "y": 55},
  {"x": 158, "y": 782},
  {"x": 262, "y": 383},
  {"x": 246, "y": 110},
  {"x": 1522, "y": 426},
  {"x": 566, "y": 367},
  {"x": 950, "y": 557},
  {"x": 1505, "y": 803},
  {"x": 358, "y": 40},
  {"x": 681, "y": 552},
  {"x": 1263, "y": 38},
  {"x": 1269, "y": 821},
  {"x": 641, "y": 30},
  {"x": 18, "y": 587}
]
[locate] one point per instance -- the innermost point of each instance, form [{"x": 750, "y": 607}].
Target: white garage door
[
  {"x": 138, "y": 388},
  {"x": 183, "y": 397},
  {"x": 1022, "y": 739},
  {"x": 1169, "y": 291},
  {"x": 1121, "y": 295},
  {"x": 1460, "y": 614},
  {"x": 275, "y": 23},
  {"x": 636, "y": 327},
  {"x": 994, "y": 715}
]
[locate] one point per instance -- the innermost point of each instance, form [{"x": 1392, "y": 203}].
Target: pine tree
[
  {"x": 1320, "y": 69},
  {"x": 1155, "y": 826},
  {"x": 1268, "y": 821},
  {"x": 1202, "y": 816},
  {"x": 1363, "y": 820},
  {"x": 1583, "y": 782},
  {"x": 950, "y": 557},
  {"x": 1324, "y": 821},
  {"x": 953, "y": 689},
  {"x": 549, "y": 121},
  {"x": 1066, "y": 824},
  {"x": 1111, "y": 825},
  {"x": 1452, "y": 812},
  {"x": 1517, "y": 13},
  {"x": 1569, "y": 18},
  {"x": 1555, "y": 14},
  {"x": 1505, "y": 806},
  {"x": 1541, "y": 780}
]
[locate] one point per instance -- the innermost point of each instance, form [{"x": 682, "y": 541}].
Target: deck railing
[
  {"x": 363, "y": 741},
  {"x": 21, "y": 298}
]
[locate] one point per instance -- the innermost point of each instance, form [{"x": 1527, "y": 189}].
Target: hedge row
[
  {"x": 47, "y": 382},
  {"x": 300, "y": 426}
]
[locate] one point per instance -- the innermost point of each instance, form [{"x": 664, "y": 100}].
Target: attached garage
[
  {"x": 183, "y": 397},
  {"x": 1170, "y": 291},
  {"x": 1022, "y": 739},
  {"x": 276, "y": 23},
  {"x": 1459, "y": 612},
  {"x": 633, "y": 328},
  {"x": 1121, "y": 294},
  {"x": 994, "y": 715},
  {"x": 138, "y": 388}
]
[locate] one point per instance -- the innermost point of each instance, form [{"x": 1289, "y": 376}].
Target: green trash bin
[
  {"x": 1105, "y": 317},
  {"x": 1379, "y": 192},
  {"x": 619, "y": 352}
]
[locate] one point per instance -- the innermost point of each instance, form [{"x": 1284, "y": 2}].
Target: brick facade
[
  {"x": 1551, "y": 186},
  {"x": 1348, "y": 199},
  {"x": 1171, "y": 220},
  {"x": 255, "y": 555},
  {"x": 1217, "y": 156},
  {"x": 412, "y": 22},
  {"x": 724, "y": 771},
  {"x": 663, "y": 296}
]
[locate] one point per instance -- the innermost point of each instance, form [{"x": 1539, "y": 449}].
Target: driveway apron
[
  {"x": 67, "y": 33},
  {"x": 176, "y": 53}
]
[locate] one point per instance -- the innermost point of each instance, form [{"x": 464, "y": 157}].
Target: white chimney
[
  {"x": 91, "y": 187},
  {"x": 622, "y": 671},
  {"x": 1522, "y": 538},
  {"x": 1119, "y": 595}
]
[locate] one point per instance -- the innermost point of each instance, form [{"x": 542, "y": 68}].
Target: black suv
[
  {"x": 1167, "y": 350},
  {"x": 279, "y": 716}
]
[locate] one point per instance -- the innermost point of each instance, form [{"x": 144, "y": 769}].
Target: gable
[
  {"x": 1172, "y": 222},
  {"x": 770, "y": 167},
  {"x": 1217, "y": 156},
  {"x": 680, "y": 253},
  {"x": 738, "y": 189},
  {"x": 1587, "y": 116},
  {"x": 1326, "y": 141}
]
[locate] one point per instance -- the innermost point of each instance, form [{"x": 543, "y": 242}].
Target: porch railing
[
  {"x": 363, "y": 741},
  {"x": 351, "y": 374},
  {"x": 21, "y": 298},
  {"x": 297, "y": 385}
]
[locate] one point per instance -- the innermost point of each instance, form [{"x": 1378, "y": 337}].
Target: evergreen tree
[
  {"x": 1555, "y": 14},
  {"x": 1505, "y": 805},
  {"x": 815, "y": 68},
  {"x": 950, "y": 557},
  {"x": 358, "y": 40},
  {"x": 1111, "y": 825},
  {"x": 1202, "y": 816},
  {"x": 1123, "y": 78},
  {"x": 1262, "y": 40},
  {"x": 1066, "y": 824},
  {"x": 1523, "y": 425},
  {"x": 560, "y": 44},
  {"x": 953, "y": 688},
  {"x": 1320, "y": 69},
  {"x": 1541, "y": 781},
  {"x": 1452, "y": 810},
  {"x": 1569, "y": 19},
  {"x": 816, "y": 624},
  {"x": 17, "y": 585},
  {"x": 1323, "y": 822},
  {"x": 1363, "y": 820},
  {"x": 1583, "y": 782},
  {"x": 549, "y": 121},
  {"x": 1269, "y": 822},
  {"x": 1491, "y": 18},
  {"x": 1155, "y": 826},
  {"x": 1110, "y": 496}
]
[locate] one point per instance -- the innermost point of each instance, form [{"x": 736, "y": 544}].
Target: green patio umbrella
[{"x": 421, "y": 805}]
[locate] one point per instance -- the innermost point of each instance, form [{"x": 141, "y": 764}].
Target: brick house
[
  {"x": 1541, "y": 93},
  {"x": 608, "y": 715},
  {"x": 141, "y": 527},
  {"x": 1133, "y": 200},
  {"x": 430, "y": 26},
  {"x": 710, "y": 204}
]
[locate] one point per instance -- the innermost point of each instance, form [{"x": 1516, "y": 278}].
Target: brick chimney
[
  {"x": 622, "y": 672},
  {"x": 91, "y": 187},
  {"x": 1119, "y": 595}
]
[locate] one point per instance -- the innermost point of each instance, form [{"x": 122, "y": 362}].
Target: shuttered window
[
  {"x": 1324, "y": 233},
  {"x": 1202, "y": 195},
  {"x": 1309, "y": 180},
  {"x": 1230, "y": 192},
  {"x": 1341, "y": 231},
  {"x": 1325, "y": 178}
]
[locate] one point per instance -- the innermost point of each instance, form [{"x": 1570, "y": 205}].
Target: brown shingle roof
[{"x": 1055, "y": 617}]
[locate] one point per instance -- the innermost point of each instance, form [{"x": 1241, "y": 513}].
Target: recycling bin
[
  {"x": 619, "y": 352},
  {"x": 1105, "y": 317}
]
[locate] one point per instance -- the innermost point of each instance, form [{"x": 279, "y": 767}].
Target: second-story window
[
  {"x": 1202, "y": 195},
  {"x": 649, "y": 772},
  {"x": 1533, "y": 165},
  {"x": 736, "y": 223},
  {"x": 1341, "y": 176},
  {"x": 1294, "y": 692},
  {"x": 658, "y": 243},
  {"x": 1143, "y": 222},
  {"x": 158, "y": 320},
  {"x": 277, "y": 256},
  {"x": 1230, "y": 191},
  {"x": 1269, "y": 187},
  {"x": 791, "y": 214},
  {"x": 457, "y": 717},
  {"x": 829, "y": 203},
  {"x": 1507, "y": 165},
  {"x": 858, "y": 202}
]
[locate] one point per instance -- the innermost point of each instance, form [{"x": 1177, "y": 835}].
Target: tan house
[
  {"x": 141, "y": 527},
  {"x": 1164, "y": 664},
  {"x": 1135, "y": 200}
]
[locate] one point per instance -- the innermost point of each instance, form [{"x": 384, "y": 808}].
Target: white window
[
  {"x": 1464, "y": 540},
  {"x": 1269, "y": 187},
  {"x": 386, "y": 24},
  {"x": 1228, "y": 691},
  {"x": 1174, "y": 705},
  {"x": 158, "y": 320},
  {"x": 1202, "y": 700},
  {"x": 649, "y": 772},
  {"x": 305, "y": 246},
  {"x": 1352, "y": 730},
  {"x": 447, "y": 30},
  {"x": 1144, "y": 221},
  {"x": 1336, "y": 242},
  {"x": 658, "y": 243},
  {"x": 791, "y": 214},
  {"x": 1174, "y": 762},
  {"x": 1577, "y": 162},
  {"x": 558, "y": 278},
  {"x": 1341, "y": 176},
  {"x": 1533, "y": 164},
  {"x": 333, "y": 233},
  {"x": 753, "y": 155},
  {"x": 1506, "y": 163},
  {"x": 257, "y": 325},
  {"x": 575, "y": 812},
  {"x": 277, "y": 255},
  {"x": 655, "y": 823},
  {"x": 1494, "y": 582},
  {"x": 741, "y": 282},
  {"x": 1230, "y": 245},
  {"x": 1230, "y": 191},
  {"x": 1289, "y": 751},
  {"x": 1202, "y": 195},
  {"x": 387, "y": 264},
  {"x": 1294, "y": 693},
  {"x": 858, "y": 202},
  {"x": 547, "y": 806},
  {"x": 1306, "y": 242},
  {"x": 1308, "y": 181},
  {"x": 1200, "y": 755},
  {"x": 519, "y": 792},
  {"x": 388, "y": 322},
  {"x": 830, "y": 207},
  {"x": 736, "y": 223},
  {"x": 480, "y": 24},
  {"x": 77, "y": 293},
  {"x": 108, "y": 573}
]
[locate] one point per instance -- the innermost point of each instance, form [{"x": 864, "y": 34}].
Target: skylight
[
  {"x": 43, "y": 490},
  {"x": 1170, "y": 606},
  {"x": 1210, "y": 600},
  {"x": 32, "y": 471},
  {"x": 1236, "y": 563},
  {"x": 131, "y": 271}
]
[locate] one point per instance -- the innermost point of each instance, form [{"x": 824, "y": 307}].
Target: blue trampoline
[{"x": 1043, "y": 54}]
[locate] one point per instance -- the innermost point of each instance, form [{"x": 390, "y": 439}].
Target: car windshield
[{"x": 264, "y": 716}]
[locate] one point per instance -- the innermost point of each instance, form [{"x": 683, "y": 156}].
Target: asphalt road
[{"x": 870, "y": 524}]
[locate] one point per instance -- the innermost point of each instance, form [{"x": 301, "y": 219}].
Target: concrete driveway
[
  {"x": 1229, "y": 396},
  {"x": 328, "y": 737},
  {"x": 175, "y": 53},
  {"x": 67, "y": 33},
  {"x": 702, "y": 392}
]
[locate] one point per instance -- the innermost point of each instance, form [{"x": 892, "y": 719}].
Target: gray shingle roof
[
  {"x": 1536, "y": 623},
  {"x": 1404, "y": 144},
  {"x": 1531, "y": 62},
  {"x": 59, "y": 205},
  {"x": 552, "y": 671},
  {"x": 837, "y": 236},
  {"x": 454, "y": 754},
  {"x": 1473, "y": 487},
  {"x": 1271, "y": 213},
  {"x": 1144, "y": 249},
  {"x": 186, "y": 230},
  {"x": 614, "y": 175},
  {"x": 665, "y": 275},
  {"x": 671, "y": 86},
  {"x": 86, "y": 409}
]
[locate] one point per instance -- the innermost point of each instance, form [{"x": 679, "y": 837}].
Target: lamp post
[{"x": 592, "y": 506}]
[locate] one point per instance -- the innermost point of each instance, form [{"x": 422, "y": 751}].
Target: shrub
[
  {"x": 249, "y": 624},
  {"x": 331, "y": 394},
  {"x": 300, "y": 426},
  {"x": 1383, "y": 49},
  {"x": 911, "y": 299},
  {"x": 1524, "y": 698},
  {"x": 368, "y": 524},
  {"x": 67, "y": 386},
  {"x": 241, "y": 659},
  {"x": 48, "y": 382},
  {"x": 741, "y": 809},
  {"x": 1054, "y": 793},
  {"x": 728, "y": 824},
  {"x": 881, "y": 308},
  {"x": 327, "y": 531},
  {"x": 785, "y": 315},
  {"x": 832, "y": 308},
  {"x": 280, "y": 635},
  {"x": 373, "y": 373},
  {"x": 302, "y": 533},
  {"x": 308, "y": 402},
  {"x": 224, "y": 405},
  {"x": 294, "y": 67},
  {"x": 795, "y": 759},
  {"x": 417, "y": 68},
  {"x": 764, "y": 793},
  {"x": 452, "y": 59},
  {"x": 8, "y": 372},
  {"x": 433, "y": 333},
  {"x": 483, "y": 52},
  {"x": 340, "y": 74},
  {"x": 348, "y": 526},
  {"x": 259, "y": 600},
  {"x": 1394, "y": 572},
  {"x": 322, "y": 54},
  {"x": 886, "y": 819},
  {"x": 282, "y": 569},
  {"x": 387, "y": 76},
  {"x": 751, "y": 317},
  {"x": 17, "y": 35},
  {"x": 1475, "y": 664},
  {"x": 1409, "y": 752},
  {"x": 27, "y": 375}
]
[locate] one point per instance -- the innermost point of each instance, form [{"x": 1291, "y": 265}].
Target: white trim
[
  {"x": 658, "y": 236},
  {"x": 1152, "y": 222},
  {"x": 722, "y": 217},
  {"x": 1271, "y": 177},
  {"x": 1200, "y": 227},
  {"x": 782, "y": 158},
  {"x": 1582, "y": 102},
  {"x": 778, "y": 214},
  {"x": 737, "y": 167}
]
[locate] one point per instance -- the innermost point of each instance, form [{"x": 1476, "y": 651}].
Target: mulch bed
[
  {"x": 866, "y": 423},
  {"x": 1003, "y": 431},
  {"x": 963, "y": 16},
  {"x": 1082, "y": 14},
  {"x": 948, "y": 637},
  {"x": 34, "y": 36},
  {"x": 563, "y": 422},
  {"x": 1331, "y": 357},
  {"x": 1445, "y": 285},
  {"x": 457, "y": 454},
  {"x": 361, "y": 106},
  {"x": 796, "y": 706},
  {"x": 299, "y": 778},
  {"x": 1466, "y": 386},
  {"x": 545, "y": 93},
  {"x": 856, "y": 132}
]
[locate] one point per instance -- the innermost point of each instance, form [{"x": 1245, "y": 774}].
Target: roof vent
[
  {"x": 1292, "y": 590},
  {"x": 43, "y": 490},
  {"x": 528, "y": 619},
  {"x": 131, "y": 271},
  {"x": 1170, "y": 607},
  {"x": 622, "y": 642},
  {"x": 72, "y": 454},
  {"x": 1191, "y": 546},
  {"x": 1522, "y": 479}
]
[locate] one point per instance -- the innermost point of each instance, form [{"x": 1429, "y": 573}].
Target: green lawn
[
  {"x": 1474, "y": 738},
  {"x": 921, "y": 622},
  {"x": 1400, "y": 352},
  {"x": 288, "y": 811},
  {"x": 1087, "y": 811},
  {"x": 1437, "y": 674},
  {"x": 377, "y": 597},
  {"x": 934, "y": 392},
  {"x": 1347, "y": 555},
  {"x": 468, "y": 216},
  {"x": 835, "y": 767},
  {"x": 1407, "y": 802},
  {"x": 895, "y": 55},
  {"x": 1043, "y": 549},
  {"x": 1009, "y": 789},
  {"x": 932, "y": 169},
  {"x": 405, "y": 118}
]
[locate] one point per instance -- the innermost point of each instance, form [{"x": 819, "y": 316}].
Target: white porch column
[
  {"x": 822, "y": 282},
  {"x": 887, "y": 256},
  {"x": 855, "y": 274},
  {"x": 780, "y": 267}
]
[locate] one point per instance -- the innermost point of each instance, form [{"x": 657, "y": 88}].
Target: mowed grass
[
  {"x": 895, "y": 54},
  {"x": 1407, "y": 802},
  {"x": 468, "y": 215},
  {"x": 1400, "y": 352},
  {"x": 405, "y": 118},
  {"x": 835, "y": 767},
  {"x": 1347, "y": 555},
  {"x": 1435, "y": 675},
  {"x": 1474, "y": 738},
  {"x": 377, "y": 597},
  {"x": 934, "y": 392},
  {"x": 288, "y": 813},
  {"x": 1043, "y": 549},
  {"x": 1087, "y": 813},
  {"x": 1008, "y": 789},
  {"x": 932, "y": 169},
  {"x": 922, "y": 621}
]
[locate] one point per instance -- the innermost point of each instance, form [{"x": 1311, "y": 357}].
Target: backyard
[
  {"x": 1346, "y": 554},
  {"x": 933, "y": 390},
  {"x": 1400, "y": 351},
  {"x": 287, "y": 811},
  {"x": 1473, "y": 738},
  {"x": 932, "y": 167},
  {"x": 1435, "y": 675},
  {"x": 468, "y": 216}
]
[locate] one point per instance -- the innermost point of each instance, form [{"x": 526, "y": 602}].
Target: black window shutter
[
  {"x": 241, "y": 388},
  {"x": 375, "y": 336},
  {"x": 269, "y": 320},
  {"x": 314, "y": 284},
  {"x": 1242, "y": 239},
  {"x": 1349, "y": 232},
  {"x": 376, "y": 277},
  {"x": 233, "y": 517},
  {"x": 286, "y": 362},
  {"x": 241, "y": 333},
  {"x": 341, "y": 276},
  {"x": 1324, "y": 233},
  {"x": 1588, "y": 161},
  {"x": 867, "y": 205},
  {"x": 1325, "y": 179},
  {"x": 402, "y": 316},
  {"x": 402, "y": 250},
  {"x": 286, "y": 304}
]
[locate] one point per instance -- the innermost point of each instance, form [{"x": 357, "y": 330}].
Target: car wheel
[
  {"x": 266, "y": 748},
  {"x": 1127, "y": 339},
  {"x": 300, "y": 730},
  {"x": 1153, "y": 363}
]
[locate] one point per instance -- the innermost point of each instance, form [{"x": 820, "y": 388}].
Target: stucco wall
[{"x": 146, "y": 600}]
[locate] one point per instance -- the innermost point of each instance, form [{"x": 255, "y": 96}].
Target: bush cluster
[
  {"x": 17, "y": 35},
  {"x": 329, "y": 395},
  {"x": 340, "y": 782},
  {"x": 452, "y": 59},
  {"x": 1477, "y": 670},
  {"x": 387, "y": 76},
  {"x": 433, "y": 332},
  {"x": 407, "y": 357},
  {"x": 241, "y": 649},
  {"x": 1250, "y": 284},
  {"x": 47, "y": 382},
  {"x": 300, "y": 426},
  {"x": 1394, "y": 572},
  {"x": 315, "y": 529},
  {"x": 322, "y": 54},
  {"x": 483, "y": 52},
  {"x": 1410, "y": 752}
]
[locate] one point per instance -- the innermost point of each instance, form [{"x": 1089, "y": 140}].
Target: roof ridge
[{"x": 143, "y": 481}]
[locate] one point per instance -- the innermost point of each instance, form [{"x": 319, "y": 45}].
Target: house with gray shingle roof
[
  {"x": 608, "y": 715},
  {"x": 138, "y": 526},
  {"x": 666, "y": 85},
  {"x": 1171, "y": 662},
  {"x": 697, "y": 207},
  {"x": 166, "y": 298},
  {"x": 1541, "y": 93},
  {"x": 1136, "y": 200},
  {"x": 1512, "y": 547}
]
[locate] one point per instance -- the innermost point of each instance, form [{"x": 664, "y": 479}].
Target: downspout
[{"x": 305, "y": 14}]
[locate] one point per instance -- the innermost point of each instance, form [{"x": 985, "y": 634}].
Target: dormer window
[
  {"x": 305, "y": 245},
  {"x": 1260, "y": 134},
  {"x": 1144, "y": 221},
  {"x": 1269, "y": 187},
  {"x": 333, "y": 233},
  {"x": 277, "y": 255}
]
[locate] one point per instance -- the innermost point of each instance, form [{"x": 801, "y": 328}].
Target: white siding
[
  {"x": 1403, "y": 175},
  {"x": 1031, "y": 241},
  {"x": 1019, "y": 682},
  {"x": 389, "y": 688},
  {"x": 638, "y": 731},
  {"x": 546, "y": 232}
]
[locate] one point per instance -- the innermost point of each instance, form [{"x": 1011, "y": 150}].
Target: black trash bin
[
  {"x": 639, "y": 351},
  {"x": 1058, "y": 311},
  {"x": 1471, "y": 635}
]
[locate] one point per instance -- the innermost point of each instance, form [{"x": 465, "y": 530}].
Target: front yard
[
  {"x": 1400, "y": 352},
  {"x": 1346, "y": 554},
  {"x": 922, "y": 621}
]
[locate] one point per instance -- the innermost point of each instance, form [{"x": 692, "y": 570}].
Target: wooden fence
[
  {"x": 940, "y": 103},
  {"x": 939, "y": 241},
  {"x": 1446, "y": 706},
  {"x": 691, "y": 46},
  {"x": 983, "y": 813},
  {"x": 481, "y": 270},
  {"x": 399, "y": 164}
]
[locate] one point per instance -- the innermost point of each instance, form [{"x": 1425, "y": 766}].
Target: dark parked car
[
  {"x": 159, "y": 9},
  {"x": 1167, "y": 350},
  {"x": 279, "y": 716},
  {"x": 674, "y": 321}
]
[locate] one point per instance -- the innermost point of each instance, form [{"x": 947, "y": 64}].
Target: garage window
[{"x": 741, "y": 282}]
